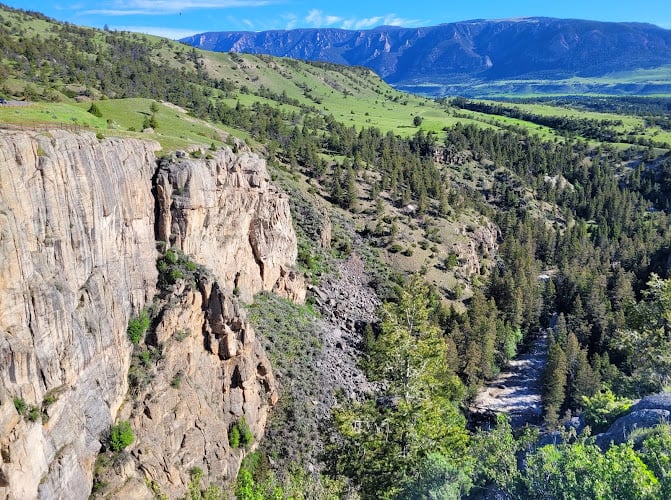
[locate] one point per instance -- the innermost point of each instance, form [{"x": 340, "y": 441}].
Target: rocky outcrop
[
  {"x": 211, "y": 373},
  {"x": 648, "y": 412},
  {"x": 78, "y": 223},
  {"x": 77, "y": 258},
  {"x": 225, "y": 213},
  {"x": 481, "y": 244}
]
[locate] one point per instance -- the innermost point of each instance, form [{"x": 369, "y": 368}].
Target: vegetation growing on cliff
[
  {"x": 121, "y": 436},
  {"x": 137, "y": 327}
]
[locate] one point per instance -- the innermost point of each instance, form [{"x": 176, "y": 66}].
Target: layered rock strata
[{"x": 78, "y": 224}]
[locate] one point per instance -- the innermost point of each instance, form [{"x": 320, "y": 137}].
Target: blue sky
[{"x": 179, "y": 18}]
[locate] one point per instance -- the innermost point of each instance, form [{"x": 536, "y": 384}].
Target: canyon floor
[{"x": 516, "y": 391}]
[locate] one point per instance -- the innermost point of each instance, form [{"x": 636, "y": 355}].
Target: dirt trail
[{"x": 516, "y": 391}]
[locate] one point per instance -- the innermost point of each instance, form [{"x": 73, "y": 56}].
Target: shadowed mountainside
[{"x": 476, "y": 51}]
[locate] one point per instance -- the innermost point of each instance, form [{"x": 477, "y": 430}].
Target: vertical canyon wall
[
  {"x": 227, "y": 215},
  {"x": 79, "y": 219},
  {"x": 77, "y": 258}
]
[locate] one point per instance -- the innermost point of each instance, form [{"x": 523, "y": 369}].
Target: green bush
[
  {"x": 246, "y": 436},
  {"x": 602, "y": 409},
  {"x": 95, "y": 110},
  {"x": 240, "y": 434},
  {"x": 121, "y": 436},
  {"x": 20, "y": 405},
  {"x": 162, "y": 266},
  {"x": 137, "y": 327},
  {"x": 172, "y": 257},
  {"x": 33, "y": 414},
  {"x": 29, "y": 412},
  {"x": 451, "y": 261},
  {"x": 234, "y": 437},
  {"x": 181, "y": 335},
  {"x": 49, "y": 399}
]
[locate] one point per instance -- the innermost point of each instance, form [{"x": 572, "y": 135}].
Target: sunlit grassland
[
  {"x": 120, "y": 117},
  {"x": 354, "y": 96},
  {"x": 176, "y": 129},
  {"x": 634, "y": 126},
  {"x": 50, "y": 113}
]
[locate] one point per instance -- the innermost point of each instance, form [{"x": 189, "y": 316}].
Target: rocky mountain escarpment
[
  {"x": 79, "y": 218},
  {"x": 468, "y": 51}
]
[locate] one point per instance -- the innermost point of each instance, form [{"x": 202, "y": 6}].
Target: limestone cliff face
[
  {"x": 79, "y": 219},
  {"x": 77, "y": 257},
  {"x": 225, "y": 213},
  {"x": 212, "y": 372}
]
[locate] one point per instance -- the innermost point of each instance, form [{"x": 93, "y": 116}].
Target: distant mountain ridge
[{"x": 467, "y": 52}]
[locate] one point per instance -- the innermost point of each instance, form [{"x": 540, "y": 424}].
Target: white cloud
[
  {"x": 366, "y": 22},
  {"x": 371, "y": 22},
  {"x": 290, "y": 21},
  {"x": 317, "y": 19},
  {"x": 172, "y": 33},
  {"x": 157, "y": 7}
]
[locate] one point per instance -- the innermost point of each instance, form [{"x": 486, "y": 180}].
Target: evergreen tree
[
  {"x": 386, "y": 441},
  {"x": 554, "y": 383}
]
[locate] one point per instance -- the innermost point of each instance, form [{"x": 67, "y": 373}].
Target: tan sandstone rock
[
  {"x": 77, "y": 257},
  {"x": 226, "y": 215}
]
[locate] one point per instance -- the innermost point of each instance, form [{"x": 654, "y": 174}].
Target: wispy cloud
[
  {"x": 318, "y": 19},
  {"x": 157, "y": 7},
  {"x": 172, "y": 33},
  {"x": 291, "y": 20},
  {"x": 371, "y": 22}
]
